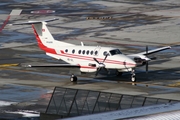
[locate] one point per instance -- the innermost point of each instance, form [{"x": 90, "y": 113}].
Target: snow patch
[
  {"x": 6, "y": 103},
  {"x": 26, "y": 113}
]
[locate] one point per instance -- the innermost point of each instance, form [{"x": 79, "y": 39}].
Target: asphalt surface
[{"x": 134, "y": 25}]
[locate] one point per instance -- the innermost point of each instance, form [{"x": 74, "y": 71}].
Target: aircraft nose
[{"x": 130, "y": 63}]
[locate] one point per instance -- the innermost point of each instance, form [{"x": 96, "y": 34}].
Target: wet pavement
[{"x": 134, "y": 24}]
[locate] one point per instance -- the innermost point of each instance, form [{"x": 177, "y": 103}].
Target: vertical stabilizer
[{"x": 43, "y": 35}]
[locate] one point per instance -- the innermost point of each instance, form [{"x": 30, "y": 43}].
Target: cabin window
[
  {"x": 92, "y": 52},
  {"x": 66, "y": 50},
  {"x": 96, "y": 52},
  {"x": 73, "y": 51},
  {"x": 115, "y": 52},
  {"x": 83, "y": 52},
  {"x": 87, "y": 52},
  {"x": 79, "y": 51}
]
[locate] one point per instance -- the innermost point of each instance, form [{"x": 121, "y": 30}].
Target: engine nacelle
[
  {"x": 139, "y": 59},
  {"x": 88, "y": 69}
]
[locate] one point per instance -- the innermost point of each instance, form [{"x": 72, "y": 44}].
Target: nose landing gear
[{"x": 133, "y": 76}]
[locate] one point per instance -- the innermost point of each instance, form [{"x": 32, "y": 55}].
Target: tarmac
[{"x": 133, "y": 25}]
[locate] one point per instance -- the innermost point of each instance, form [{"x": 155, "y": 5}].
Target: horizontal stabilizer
[{"x": 34, "y": 22}]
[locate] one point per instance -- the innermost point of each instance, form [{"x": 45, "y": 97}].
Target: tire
[
  {"x": 73, "y": 78},
  {"x": 133, "y": 78}
]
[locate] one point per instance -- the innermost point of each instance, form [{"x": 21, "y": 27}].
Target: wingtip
[{"x": 169, "y": 47}]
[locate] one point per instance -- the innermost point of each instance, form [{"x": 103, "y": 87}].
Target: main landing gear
[
  {"x": 73, "y": 78},
  {"x": 133, "y": 76}
]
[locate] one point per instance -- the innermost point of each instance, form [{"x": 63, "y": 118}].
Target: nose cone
[{"x": 130, "y": 63}]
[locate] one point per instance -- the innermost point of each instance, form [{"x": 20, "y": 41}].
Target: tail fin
[{"x": 43, "y": 36}]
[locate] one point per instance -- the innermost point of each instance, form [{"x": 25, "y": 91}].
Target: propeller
[
  {"x": 147, "y": 64},
  {"x": 101, "y": 65}
]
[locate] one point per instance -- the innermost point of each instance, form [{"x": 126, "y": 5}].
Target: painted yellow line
[
  {"x": 177, "y": 84},
  {"x": 8, "y": 65}
]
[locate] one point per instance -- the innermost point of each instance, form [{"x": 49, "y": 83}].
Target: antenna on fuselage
[{"x": 82, "y": 44}]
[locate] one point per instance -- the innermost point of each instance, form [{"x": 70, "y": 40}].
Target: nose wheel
[
  {"x": 73, "y": 78},
  {"x": 133, "y": 76}
]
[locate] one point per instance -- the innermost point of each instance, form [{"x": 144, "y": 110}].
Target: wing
[
  {"x": 83, "y": 67},
  {"x": 47, "y": 65},
  {"x": 155, "y": 50}
]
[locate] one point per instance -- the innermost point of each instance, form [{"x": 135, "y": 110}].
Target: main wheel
[{"x": 73, "y": 78}]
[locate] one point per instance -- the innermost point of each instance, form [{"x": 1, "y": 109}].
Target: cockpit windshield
[{"x": 115, "y": 52}]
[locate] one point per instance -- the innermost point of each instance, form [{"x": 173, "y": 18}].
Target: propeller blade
[
  {"x": 146, "y": 49},
  {"x": 96, "y": 60},
  {"x": 106, "y": 70},
  {"x": 101, "y": 65},
  {"x": 105, "y": 58},
  {"x": 97, "y": 71},
  {"x": 147, "y": 64}
]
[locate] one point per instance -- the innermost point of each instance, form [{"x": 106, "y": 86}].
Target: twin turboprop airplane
[{"x": 87, "y": 58}]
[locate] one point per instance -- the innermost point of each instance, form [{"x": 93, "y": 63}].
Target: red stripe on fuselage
[
  {"x": 91, "y": 59},
  {"x": 89, "y": 67}
]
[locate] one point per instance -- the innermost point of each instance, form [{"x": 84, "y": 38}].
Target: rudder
[{"x": 45, "y": 37}]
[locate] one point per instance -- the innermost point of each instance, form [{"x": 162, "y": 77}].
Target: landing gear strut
[
  {"x": 73, "y": 78},
  {"x": 133, "y": 76}
]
